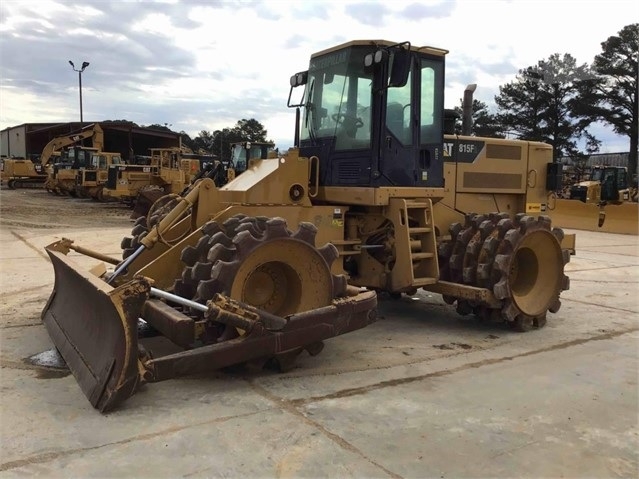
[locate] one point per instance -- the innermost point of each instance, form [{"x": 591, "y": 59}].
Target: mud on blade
[{"x": 94, "y": 326}]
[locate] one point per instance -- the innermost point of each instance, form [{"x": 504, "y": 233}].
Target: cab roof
[{"x": 381, "y": 43}]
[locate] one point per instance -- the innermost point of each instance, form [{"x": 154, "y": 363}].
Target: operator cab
[
  {"x": 101, "y": 161},
  {"x": 373, "y": 114},
  {"x": 243, "y": 152},
  {"x": 73, "y": 158},
  {"x": 613, "y": 180}
]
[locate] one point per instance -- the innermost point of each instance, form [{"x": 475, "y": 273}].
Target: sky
[{"x": 194, "y": 65}]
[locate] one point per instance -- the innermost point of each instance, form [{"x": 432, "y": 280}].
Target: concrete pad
[
  {"x": 422, "y": 392},
  {"x": 271, "y": 443},
  {"x": 523, "y": 418}
]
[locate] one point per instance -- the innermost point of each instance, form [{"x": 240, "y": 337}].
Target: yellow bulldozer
[
  {"x": 243, "y": 152},
  {"x": 373, "y": 198},
  {"x": 90, "y": 180},
  {"x": 606, "y": 184},
  {"x": 160, "y": 194},
  {"x": 606, "y": 202},
  {"x": 64, "y": 157},
  {"x": 168, "y": 170}
]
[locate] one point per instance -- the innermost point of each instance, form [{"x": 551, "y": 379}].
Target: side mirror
[
  {"x": 296, "y": 80},
  {"x": 398, "y": 67},
  {"x": 299, "y": 79}
]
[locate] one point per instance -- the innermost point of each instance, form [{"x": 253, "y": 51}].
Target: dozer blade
[
  {"x": 611, "y": 218},
  {"x": 94, "y": 327}
]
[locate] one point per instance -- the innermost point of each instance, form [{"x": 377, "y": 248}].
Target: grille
[
  {"x": 112, "y": 180},
  {"x": 348, "y": 172}
]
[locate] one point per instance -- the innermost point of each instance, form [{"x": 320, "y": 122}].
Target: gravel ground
[{"x": 36, "y": 208}]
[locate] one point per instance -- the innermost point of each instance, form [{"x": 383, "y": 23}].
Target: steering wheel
[{"x": 347, "y": 120}]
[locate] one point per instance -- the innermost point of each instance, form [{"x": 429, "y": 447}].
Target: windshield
[
  {"x": 597, "y": 174},
  {"x": 338, "y": 100},
  {"x": 238, "y": 157},
  {"x": 101, "y": 162}
]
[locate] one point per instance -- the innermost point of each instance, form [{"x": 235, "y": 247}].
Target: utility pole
[{"x": 84, "y": 65}]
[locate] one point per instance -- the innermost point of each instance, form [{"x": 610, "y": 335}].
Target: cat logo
[{"x": 462, "y": 151}]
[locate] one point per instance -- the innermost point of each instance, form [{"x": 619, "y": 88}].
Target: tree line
[
  {"x": 218, "y": 142},
  {"x": 556, "y": 100}
]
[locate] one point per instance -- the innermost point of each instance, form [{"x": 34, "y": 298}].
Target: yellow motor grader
[{"x": 294, "y": 250}]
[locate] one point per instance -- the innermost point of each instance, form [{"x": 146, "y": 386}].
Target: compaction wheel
[
  {"x": 260, "y": 262},
  {"x": 520, "y": 260}
]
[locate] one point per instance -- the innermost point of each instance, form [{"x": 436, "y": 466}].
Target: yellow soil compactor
[{"x": 293, "y": 251}]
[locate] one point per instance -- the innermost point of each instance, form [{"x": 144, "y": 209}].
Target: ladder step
[
  {"x": 417, "y": 205},
  {"x": 421, "y": 229},
  {"x": 423, "y": 281},
  {"x": 350, "y": 252},
  {"x": 419, "y": 256},
  {"x": 345, "y": 242}
]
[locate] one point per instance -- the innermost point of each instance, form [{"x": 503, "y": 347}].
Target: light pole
[{"x": 84, "y": 65}]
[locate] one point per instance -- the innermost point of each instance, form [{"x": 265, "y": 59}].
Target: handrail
[{"x": 315, "y": 159}]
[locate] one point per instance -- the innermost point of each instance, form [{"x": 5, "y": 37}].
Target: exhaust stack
[{"x": 467, "y": 109}]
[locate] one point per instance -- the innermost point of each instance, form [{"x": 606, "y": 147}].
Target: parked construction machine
[
  {"x": 155, "y": 195},
  {"x": 293, "y": 250},
  {"x": 25, "y": 173},
  {"x": 63, "y": 157},
  {"x": 22, "y": 173},
  {"x": 606, "y": 202},
  {"x": 90, "y": 180},
  {"x": 169, "y": 170},
  {"x": 243, "y": 152},
  {"x": 606, "y": 184},
  {"x": 62, "y": 175}
]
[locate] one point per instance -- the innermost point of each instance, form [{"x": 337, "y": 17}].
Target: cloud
[
  {"x": 199, "y": 64},
  {"x": 368, "y": 13},
  {"x": 422, "y": 11}
]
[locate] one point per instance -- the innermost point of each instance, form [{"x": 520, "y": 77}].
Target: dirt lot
[
  {"x": 420, "y": 393},
  {"x": 34, "y": 209}
]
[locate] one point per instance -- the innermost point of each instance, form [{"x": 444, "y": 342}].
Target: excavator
[
  {"x": 372, "y": 199},
  {"x": 23, "y": 173}
]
